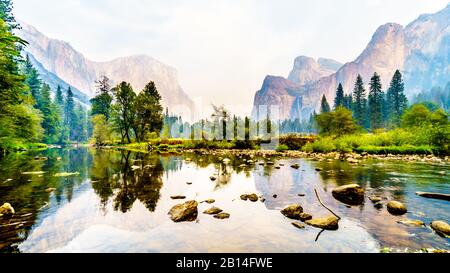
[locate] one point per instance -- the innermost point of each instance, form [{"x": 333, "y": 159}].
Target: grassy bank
[
  {"x": 21, "y": 147},
  {"x": 399, "y": 141},
  {"x": 396, "y": 142}
]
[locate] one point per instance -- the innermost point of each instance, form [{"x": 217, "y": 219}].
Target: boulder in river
[
  {"x": 293, "y": 211},
  {"x": 184, "y": 212},
  {"x": 222, "y": 215},
  {"x": 327, "y": 223},
  {"x": 305, "y": 217},
  {"x": 209, "y": 201},
  {"x": 352, "y": 194},
  {"x": 244, "y": 197},
  {"x": 253, "y": 197},
  {"x": 213, "y": 211},
  {"x": 396, "y": 208},
  {"x": 6, "y": 209},
  {"x": 213, "y": 178},
  {"x": 441, "y": 227},
  {"x": 295, "y": 166},
  {"x": 298, "y": 225}
]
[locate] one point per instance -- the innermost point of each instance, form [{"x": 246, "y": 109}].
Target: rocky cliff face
[
  {"x": 62, "y": 60},
  {"x": 420, "y": 51},
  {"x": 307, "y": 70}
]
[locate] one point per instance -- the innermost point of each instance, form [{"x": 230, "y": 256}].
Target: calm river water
[{"x": 117, "y": 201}]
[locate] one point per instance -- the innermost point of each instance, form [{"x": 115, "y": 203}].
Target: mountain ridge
[
  {"x": 420, "y": 50},
  {"x": 61, "y": 59}
]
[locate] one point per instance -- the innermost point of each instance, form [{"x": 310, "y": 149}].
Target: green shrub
[
  {"x": 282, "y": 148},
  {"x": 295, "y": 141}
]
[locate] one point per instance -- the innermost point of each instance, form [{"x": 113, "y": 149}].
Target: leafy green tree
[
  {"x": 148, "y": 112},
  {"x": 123, "y": 109},
  {"x": 348, "y": 102},
  {"x": 396, "y": 101},
  {"x": 221, "y": 113},
  {"x": 337, "y": 123},
  {"x": 101, "y": 103},
  {"x": 339, "y": 101},
  {"x": 376, "y": 102},
  {"x": 324, "y": 106},
  {"x": 359, "y": 106},
  {"x": 19, "y": 121}
]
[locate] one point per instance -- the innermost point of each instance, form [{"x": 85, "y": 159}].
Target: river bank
[{"x": 353, "y": 158}]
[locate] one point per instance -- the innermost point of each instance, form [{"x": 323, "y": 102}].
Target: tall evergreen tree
[
  {"x": 101, "y": 104},
  {"x": 70, "y": 117},
  {"x": 340, "y": 97},
  {"x": 32, "y": 80},
  {"x": 396, "y": 101},
  {"x": 348, "y": 102},
  {"x": 51, "y": 118},
  {"x": 148, "y": 111},
  {"x": 376, "y": 102},
  {"x": 324, "y": 106},
  {"x": 59, "y": 97},
  {"x": 359, "y": 102},
  {"x": 6, "y": 7}
]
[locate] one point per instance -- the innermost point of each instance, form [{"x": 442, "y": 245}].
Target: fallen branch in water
[
  {"x": 432, "y": 195},
  {"x": 320, "y": 201}
]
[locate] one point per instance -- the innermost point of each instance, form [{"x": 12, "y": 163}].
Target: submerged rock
[
  {"x": 213, "y": 178},
  {"x": 352, "y": 194},
  {"x": 213, "y": 211},
  {"x": 6, "y": 209},
  {"x": 375, "y": 199},
  {"x": 295, "y": 166},
  {"x": 441, "y": 227},
  {"x": 244, "y": 197},
  {"x": 293, "y": 211},
  {"x": 209, "y": 201},
  {"x": 184, "y": 212},
  {"x": 378, "y": 205},
  {"x": 396, "y": 208},
  {"x": 328, "y": 223},
  {"x": 408, "y": 222},
  {"x": 298, "y": 225},
  {"x": 275, "y": 196},
  {"x": 222, "y": 215},
  {"x": 177, "y": 197}
]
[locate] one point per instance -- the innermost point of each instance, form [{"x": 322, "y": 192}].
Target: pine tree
[
  {"x": 59, "y": 98},
  {"x": 32, "y": 80},
  {"x": 348, "y": 101},
  {"x": 148, "y": 111},
  {"x": 70, "y": 118},
  {"x": 6, "y": 7},
  {"x": 396, "y": 101},
  {"x": 324, "y": 106},
  {"x": 101, "y": 104},
  {"x": 376, "y": 102},
  {"x": 359, "y": 106},
  {"x": 340, "y": 97},
  {"x": 50, "y": 116}
]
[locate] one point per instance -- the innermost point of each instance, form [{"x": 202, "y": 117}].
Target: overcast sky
[{"x": 222, "y": 49}]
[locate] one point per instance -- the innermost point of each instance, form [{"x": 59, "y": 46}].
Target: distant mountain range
[
  {"x": 421, "y": 50},
  {"x": 60, "y": 64}
]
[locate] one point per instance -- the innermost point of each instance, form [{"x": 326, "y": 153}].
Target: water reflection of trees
[
  {"x": 28, "y": 193},
  {"x": 127, "y": 177},
  {"x": 374, "y": 176}
]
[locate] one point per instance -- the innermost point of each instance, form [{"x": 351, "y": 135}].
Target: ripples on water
[{"x": 119, "y": 203}]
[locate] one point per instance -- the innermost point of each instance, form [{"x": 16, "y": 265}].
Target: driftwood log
[{"x": 441, "y": 196}]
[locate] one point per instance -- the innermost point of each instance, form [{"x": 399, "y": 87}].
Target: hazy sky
[{"x": 222, "y": 49}]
